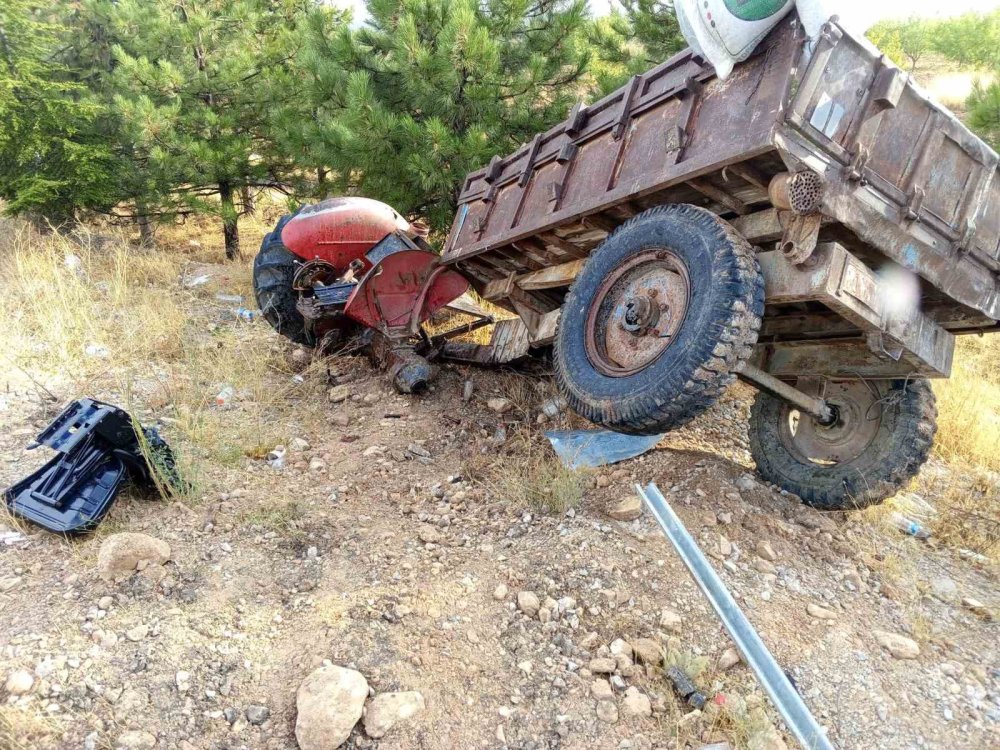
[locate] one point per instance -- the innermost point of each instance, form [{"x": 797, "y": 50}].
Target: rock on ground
[
  {"x": 388, "y": 709},
  {"x": 637, "y": 703},
  {"x": 19, "y": 682},
  {"x": 121, "y": 554},
  {"x": 527, "y": 602},
  {"x": 899, "y": 646},
  {"x": 329, "y": 703},
  {"x": 628, "y": 508},
  {"x": 136, "y": 740}
]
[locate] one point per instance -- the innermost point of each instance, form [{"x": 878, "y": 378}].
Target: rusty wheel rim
[
  {"x": 637, "y": 312},
  {"x": 858, "y": 418}
]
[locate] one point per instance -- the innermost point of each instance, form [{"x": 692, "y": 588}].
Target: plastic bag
[{"x": 587, "y": 449}]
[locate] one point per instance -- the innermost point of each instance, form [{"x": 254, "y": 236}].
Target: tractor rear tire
[
  {"x": 273, "y": 271},
  {"x": 881, "y": 437},
  {"x": 657, "y": 323}
]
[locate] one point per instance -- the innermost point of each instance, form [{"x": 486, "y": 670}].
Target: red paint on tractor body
[
  {"x": 339, "y": 230},
  {"x": 407, "y": 285}
]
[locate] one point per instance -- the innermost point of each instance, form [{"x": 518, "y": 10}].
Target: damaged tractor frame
[{"x": 814, "y": 225}]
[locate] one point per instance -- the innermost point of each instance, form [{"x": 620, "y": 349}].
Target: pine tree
[
  {"x": 57, "y": 155},
  {"x": 198, "y": 83},
  {"x": 632, "y": 40},
  {"x": 973, "y": 40},
  {"x": 428, "y": 90}
]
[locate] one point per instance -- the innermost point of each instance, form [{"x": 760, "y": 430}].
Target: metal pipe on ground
[{"x": 786, "y": 699}]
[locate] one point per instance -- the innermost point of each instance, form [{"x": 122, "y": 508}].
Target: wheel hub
[
  {"x": 636, "y": 313},
  {"x": 857, "y": 419}
]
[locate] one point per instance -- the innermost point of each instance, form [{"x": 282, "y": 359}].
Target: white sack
[{"x": 725, "y": 32}]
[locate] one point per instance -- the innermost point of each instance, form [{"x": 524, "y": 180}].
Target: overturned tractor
[{"x": 685, "y": 231}]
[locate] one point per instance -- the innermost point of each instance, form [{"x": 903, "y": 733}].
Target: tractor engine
[{"x": 353, "y": 270}]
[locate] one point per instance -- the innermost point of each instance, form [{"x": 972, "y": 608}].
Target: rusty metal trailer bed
[{"x": 824, "y": 181}]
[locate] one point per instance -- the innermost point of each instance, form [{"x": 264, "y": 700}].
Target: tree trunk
[
  {"x": 321, "y": 181},
  {"x": 146, "y": 236},
  {"x": 229, "y": 226}
]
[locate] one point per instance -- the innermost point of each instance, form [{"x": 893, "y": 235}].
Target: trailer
[{"x": 814, "y": 225}]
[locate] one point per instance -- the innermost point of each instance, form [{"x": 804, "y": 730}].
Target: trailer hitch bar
[{"x": 811, "y": 405}]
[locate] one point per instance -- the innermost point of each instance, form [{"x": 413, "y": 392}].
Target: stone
[
  {"x": 388, "y": 709},
  {"x": 19, "y": 682},
  {"x": 820, "y": 613},
  {"x": 428, "y": 534},
  {"x": 670, "y": 620},
  {"x": 329, "y": 703},
  {"x": 627, "y": 508},
  {"x": 257, "y": 714},
  {"x": 725, "y": 546},
  {"x": 768, "y": 739},
  {"x": 763, "y": 566},
  {"x": 607, "y": 711},
  {"x": 899, "y": 646},
  {"x": 105, "y": 602},
  {"x": 945, "y": 589},
  {"x": 636, "y": 703},
  {"x": 338, "y": 393},
  {"x": 527, "y": 602},
  {"x": 121, "y": 554},
  {"x": 765, "y": 551},
  {"x": 499, "y": 405},
  {"x": 601, "y": 689},
  {"x": 298, "y": 444},
  {"x": 137, "y": 633},
  {"x": 745, "y": 483},
  {"x": 648, "y": 651},
  {"x": 136, "y": 740},
  {"x": 316, "y": 463},
  {"x": 619, "y": 646},
  {"x": 730, "y": 658},
  {"x": 975, "y": 606},
  {"x": 500, "y": 592},
  {"x": 602, "y": 665},
  {"x": 819, "y": 521}
]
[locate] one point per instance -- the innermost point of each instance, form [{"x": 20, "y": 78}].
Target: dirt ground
[{"x": 394, "y": 544}]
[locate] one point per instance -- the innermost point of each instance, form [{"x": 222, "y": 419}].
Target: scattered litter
[
  {"x": 225, "y": 396},
  {"x": 467, "y": 390},
  {"x": 233, "y": 298},
  {"x": 98, "y": 447},
  {"x": 298, "y": 379},
  {"x": 197, "y": 281},
  {"x": 244, "y": 314},
  {"x": 12, "y": 537},
  {"x": 773, "y": 679},
  {"x": 968, "y": 554},
  {"x": 276, "y": 458},
  {"x": 908, "y": 525},
  {"x": 74, "y": 265},
  {"x": 587, "y": 449},
  {"x": 96, "y": 350},
  {"x": 685, "y": 688}
]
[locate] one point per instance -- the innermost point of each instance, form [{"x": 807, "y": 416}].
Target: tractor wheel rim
[
  {"x": 858, "y": 409},
  {"x": 637, "y": 312}
]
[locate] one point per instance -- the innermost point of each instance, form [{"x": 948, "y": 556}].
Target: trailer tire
[
  {"x": 899, "y": 422},
  {"x": 684, "y": 364},
  {"x": 273, "y": 271}
]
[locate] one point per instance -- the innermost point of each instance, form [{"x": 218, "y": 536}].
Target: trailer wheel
[
  {"x": 273, "y": 270},
  {"x": 655, "y": 325},
  {"x": 881, "y": 437}
]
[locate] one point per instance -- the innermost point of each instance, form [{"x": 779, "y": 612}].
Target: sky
[{"x": 873, "y": 9}]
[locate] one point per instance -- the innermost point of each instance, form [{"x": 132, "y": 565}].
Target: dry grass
[
  {"x": 968, "y": 438},
  {"x": 529, "y": 475},
  {"x": 93, "y": 315}
]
